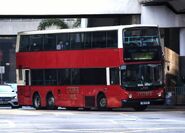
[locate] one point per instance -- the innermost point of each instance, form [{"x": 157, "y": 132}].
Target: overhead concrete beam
[
  {"x": 69, "y": 7},
  {"x": 153, "y": 1}
]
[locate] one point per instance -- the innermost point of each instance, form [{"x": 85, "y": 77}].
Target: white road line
[
  {"x": 107, "y": 130},
  {"x": 7, "y": 124},
  {"x": 137, "y": 130},
  {"x": 128, "y": 130},
  {"x": 33, "y": 112}
]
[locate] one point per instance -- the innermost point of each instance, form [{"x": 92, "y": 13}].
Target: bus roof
[{"x": 105, "y": 28}]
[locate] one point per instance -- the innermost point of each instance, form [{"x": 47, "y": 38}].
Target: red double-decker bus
[{"x": 101, "y": 67}]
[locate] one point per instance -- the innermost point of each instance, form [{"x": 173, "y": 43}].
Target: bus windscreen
[{"x": 141, "y": 75}]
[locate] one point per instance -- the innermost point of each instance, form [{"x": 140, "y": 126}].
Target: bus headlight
[
  {"x": 130, "y": 96},
  {"x": 159, "y": 94}
]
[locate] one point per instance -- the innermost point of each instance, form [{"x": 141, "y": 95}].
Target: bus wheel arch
[
  {"x": 36, "y": 100},
  {"x": 101, "y": 101},
  {"x": 50, "y": 101}
]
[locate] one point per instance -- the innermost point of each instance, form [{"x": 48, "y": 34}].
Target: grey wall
[{"x": 12, "y": 26}]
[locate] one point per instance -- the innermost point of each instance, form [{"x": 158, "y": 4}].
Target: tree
[
  {"x": 77, "y": 23},
  {"x": 46, "y": 23}
]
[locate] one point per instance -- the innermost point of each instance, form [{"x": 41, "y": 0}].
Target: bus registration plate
[{"x": 144, "y": 102}]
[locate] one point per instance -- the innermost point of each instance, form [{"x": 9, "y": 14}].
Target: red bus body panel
[
  {"x": 74, "y": 96},
  {"x": 70, "y": 59}
]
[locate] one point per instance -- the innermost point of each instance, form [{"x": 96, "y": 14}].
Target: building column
[
  {"x": 182, "y": 54},
  {"x": 84, "y": 23},
  {"x": 182, "y": 42}
]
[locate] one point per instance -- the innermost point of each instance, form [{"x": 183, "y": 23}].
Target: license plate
[
  {"x": 3, "y": 102},
  {"x": 145, "y": 103}
]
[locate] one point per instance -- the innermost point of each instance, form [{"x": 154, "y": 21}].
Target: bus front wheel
[
  {"x": 101, "y": 102},
  {"x": 36, "y": 101}
]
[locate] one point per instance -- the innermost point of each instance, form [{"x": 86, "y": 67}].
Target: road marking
[
  {"x": 128, "y": 130},
  {"x": 107, "y": 130},
  {"x": 149, "y": 129},
  {"x": 7, "y": 124}
]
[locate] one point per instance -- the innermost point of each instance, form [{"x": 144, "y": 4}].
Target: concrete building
[{"x": 168, "y": 14}]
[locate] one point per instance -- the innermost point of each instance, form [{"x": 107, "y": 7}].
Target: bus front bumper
[{"x": 136, "y": 102}]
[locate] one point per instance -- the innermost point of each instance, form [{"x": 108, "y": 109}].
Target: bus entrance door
[{"x": 27, "y": 81}]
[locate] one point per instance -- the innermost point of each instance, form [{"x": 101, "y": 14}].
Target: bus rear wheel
[
  {"x": 37, "y": 101},
  {"x": 140, "y": 108},
  {"x": 50, "y": 102},
  {"x": 101, "y": 102}
]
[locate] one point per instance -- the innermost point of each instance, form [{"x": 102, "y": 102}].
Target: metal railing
[{"x": 175, "y": 95}]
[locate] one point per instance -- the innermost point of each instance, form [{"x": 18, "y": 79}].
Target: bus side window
[
  {"x": 36, "y": 42},
  {"x": 75, "y": 40},
  {"x": 24, "y": 43},
  {"x": 37, "y": 77},
  {"x": 49, "y": 42},
  {"x": 114, "y": 76},
  {"x": 86, "y": 37},
  {"x": 62, "y": 41},
  {"x": 112, "y": 39},
  {"x": 99, "y": 39}
]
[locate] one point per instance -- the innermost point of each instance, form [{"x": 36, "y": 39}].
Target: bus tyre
[
  {"x": 140, "y": 108},
  {"x": 72, "y": 108},
  {"x": 36, "y": 101},
  {"x": 101, "y": 102},
  {"x": 51, "y": 102}
]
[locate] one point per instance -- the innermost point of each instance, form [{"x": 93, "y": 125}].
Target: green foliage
[
  {"x": 77, "y": 23},
  {"x": 52, "y": 22}
]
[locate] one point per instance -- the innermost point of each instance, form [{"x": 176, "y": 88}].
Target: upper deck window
[
  {"x": 36, "y": 42},
  {"x": 99, "y": 39},
  {"x": 140, "y": 37},
  {"x": 24, "y": 43},
  {"x": 76, "y": 41},
  {"x": 49, "y": 42},
  {"x": 69, "y": 41},
  {"x": 63, "y": 41},
  {"x": 112, "y": 39}
]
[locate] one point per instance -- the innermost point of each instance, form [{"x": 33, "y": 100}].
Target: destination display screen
[{"x": 142, "y": 53}]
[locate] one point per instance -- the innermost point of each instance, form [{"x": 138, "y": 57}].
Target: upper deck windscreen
[
  {"x": 142, "y": 44},
  {"x": 140, "y": 37}
]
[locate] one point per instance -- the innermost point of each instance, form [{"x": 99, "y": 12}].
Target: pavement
[{"x": 179, "y": 107}]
